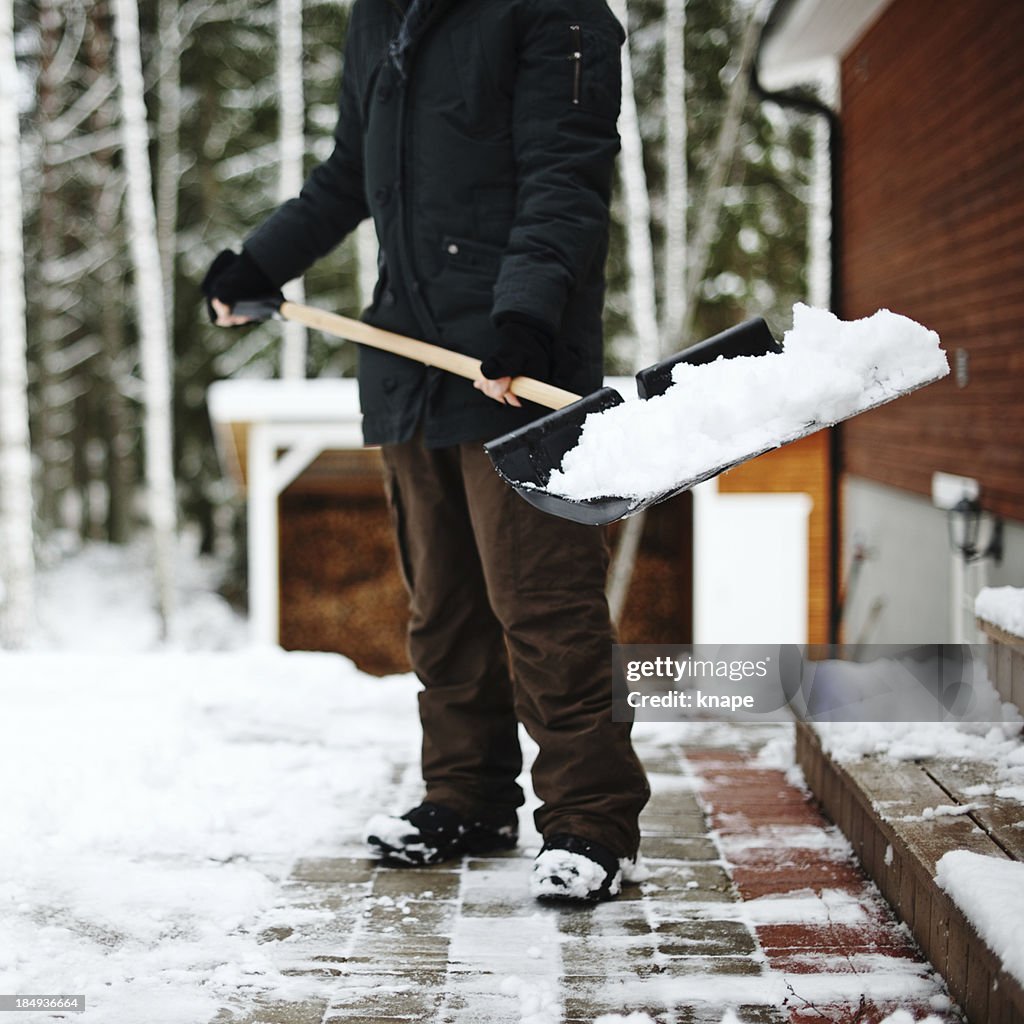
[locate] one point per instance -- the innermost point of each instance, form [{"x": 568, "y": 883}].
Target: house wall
[
  {"x": 903, "y": 590},
  {"x": 933, "y": 227}
]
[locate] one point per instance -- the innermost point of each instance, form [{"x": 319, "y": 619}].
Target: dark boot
[{"x": 432, "y": 833}]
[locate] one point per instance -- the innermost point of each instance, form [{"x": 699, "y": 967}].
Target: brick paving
[{"x": 754, "y": 906}]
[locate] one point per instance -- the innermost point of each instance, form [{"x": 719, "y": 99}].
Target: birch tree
[
  {"x": 673, "y": 290},
  {"x": 292, "y": 143},
  {"x": 642, "y": 298},
  {"x": 169, "y": 51},
  {"x": 16, "y": 558},
  {"x": 149, "y": 297},
  {"x": 710, "y": 206}
]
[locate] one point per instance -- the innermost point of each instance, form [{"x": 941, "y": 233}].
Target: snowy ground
[{"x": 183, "y": 844}]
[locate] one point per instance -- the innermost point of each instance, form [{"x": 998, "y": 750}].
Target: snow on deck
[
  {"x": 1003, "y": 607},
  {"x": 990, "y": 892}
]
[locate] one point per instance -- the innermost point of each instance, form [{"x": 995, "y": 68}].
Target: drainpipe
[{"x": 815, "y": 107}]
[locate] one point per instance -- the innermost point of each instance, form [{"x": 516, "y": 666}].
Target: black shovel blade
[
  {"x": 750, "y": 338},
  {"x": 526, "y": 457}
]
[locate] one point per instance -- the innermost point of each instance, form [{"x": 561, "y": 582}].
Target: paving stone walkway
[{"x": 754, "y": 907}]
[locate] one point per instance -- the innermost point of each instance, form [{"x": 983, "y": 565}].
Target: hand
[
  {"x": 498, "y": 390},
  {"x": 224, "y": 317},
  {"x": 523, "y": 349},
  {"x": 234, "y": 276}
]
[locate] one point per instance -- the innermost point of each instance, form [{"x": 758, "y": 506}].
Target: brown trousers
[{"x": 508, "y": 621}]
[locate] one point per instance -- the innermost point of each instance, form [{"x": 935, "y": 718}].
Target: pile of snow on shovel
[{"x": 721, "y": 412}]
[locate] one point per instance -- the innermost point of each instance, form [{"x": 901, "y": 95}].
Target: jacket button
[
  {"x": 453, "y": 249},
  {"x": 384, "y": 93},
  {"x": 388, "y": 297},
  {"x": 383, "y": 196}
]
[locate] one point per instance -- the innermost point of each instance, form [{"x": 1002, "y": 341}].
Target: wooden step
[{"x": 880, "y": 806}]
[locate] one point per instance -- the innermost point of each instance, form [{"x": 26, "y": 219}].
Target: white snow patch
[
  {"x": 942, "y": 811},
  {"x": 634, "y": 871},
  {"x": 538, "y": 1001},
  {"x": 99, "y": 598},
  {"x": 990, "y": 892},
  {"x": 561, "y": 873},
  {"x": 992, "y": 737},
  {"x": 833, "y": 906},
  {"x": 157, "y": 801},
  {"x": 779, "y": 752},
  {"x": 906, "y": 1017},
  {"x": 785, "y": 838},
  {"x": 390, "y": 830},
  {"x": 1003, "y": 607},
  {"x": 639, "y": 1017},
  {"x": 726, "y": 410}
]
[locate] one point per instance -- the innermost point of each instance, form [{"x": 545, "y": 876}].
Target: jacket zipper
[{"x": 576, "y": 56}]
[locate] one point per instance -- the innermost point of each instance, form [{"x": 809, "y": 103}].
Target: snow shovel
[{"x": 525, "y": 458}]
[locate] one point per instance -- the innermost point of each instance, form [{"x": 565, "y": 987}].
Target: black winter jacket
[{"x": 487, "y": 170}]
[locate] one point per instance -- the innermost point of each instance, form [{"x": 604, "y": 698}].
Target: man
[{"x": 480, "y": 136}]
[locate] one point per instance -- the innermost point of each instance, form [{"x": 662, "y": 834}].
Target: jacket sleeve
[
  {"x": 332, "y": 201},
  {"x": 565, "y": 107}
]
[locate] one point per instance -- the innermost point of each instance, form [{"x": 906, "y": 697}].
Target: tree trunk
[
  {"x": 642, "y": 298},
  {"x": 55, "y": 476},
  {"x": 168, "y": 158},
  {"x": 115, "y": 422},
  {"x": 292, "y": 142},
  {"x": 152, "y": 319},
  {"x": 673, "y": 290},
  {"x": 17, "y": 566},
  {"x": 643, "y": 301},
  {"x": 725, "y": 149},
  {"x": 366, "y": 261}
]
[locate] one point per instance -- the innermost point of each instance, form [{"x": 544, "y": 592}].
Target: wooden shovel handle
[{"x": 421, "y": 352}]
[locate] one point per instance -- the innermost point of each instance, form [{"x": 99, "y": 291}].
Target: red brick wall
[{"x": 933, "y": 209}]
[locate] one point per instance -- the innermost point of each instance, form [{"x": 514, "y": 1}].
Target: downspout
[{"x": 810, "y": 105}]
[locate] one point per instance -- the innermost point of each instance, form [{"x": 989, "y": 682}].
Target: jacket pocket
[
  {"x": 595, "y": 70},
  {"x": 470, "y": 256}
]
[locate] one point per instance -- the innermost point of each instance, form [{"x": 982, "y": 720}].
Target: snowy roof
[
  {"x": 322, "y": 412},
  {"x": 323, "y": 399},
  {"x": 801, "y": 35}
]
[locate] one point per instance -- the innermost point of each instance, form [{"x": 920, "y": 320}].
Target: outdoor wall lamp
[{"x": 973, "y": 533}]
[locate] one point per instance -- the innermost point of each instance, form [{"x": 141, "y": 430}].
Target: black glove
[
  {"x": 524, "y": 349},
  {"x": 233, "y": 276}
]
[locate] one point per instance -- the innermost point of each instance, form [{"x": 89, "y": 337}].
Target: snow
[
  {"x": 989, "y": 736},
  {"x": 321, "y": 399},
  {"x": 158, "y": 794},
  {"x": 1003, "y": 607},
  {"x": 990, "y": 892},
  {"x": 177, "y": 791},
  {"x": 566, "y": 875},
  {"x": 906, "y": 1017},
  {"x": 163, "y": 793},
  {"x": 96, "y": 599},
  {"x": 723, "y": 411}
]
